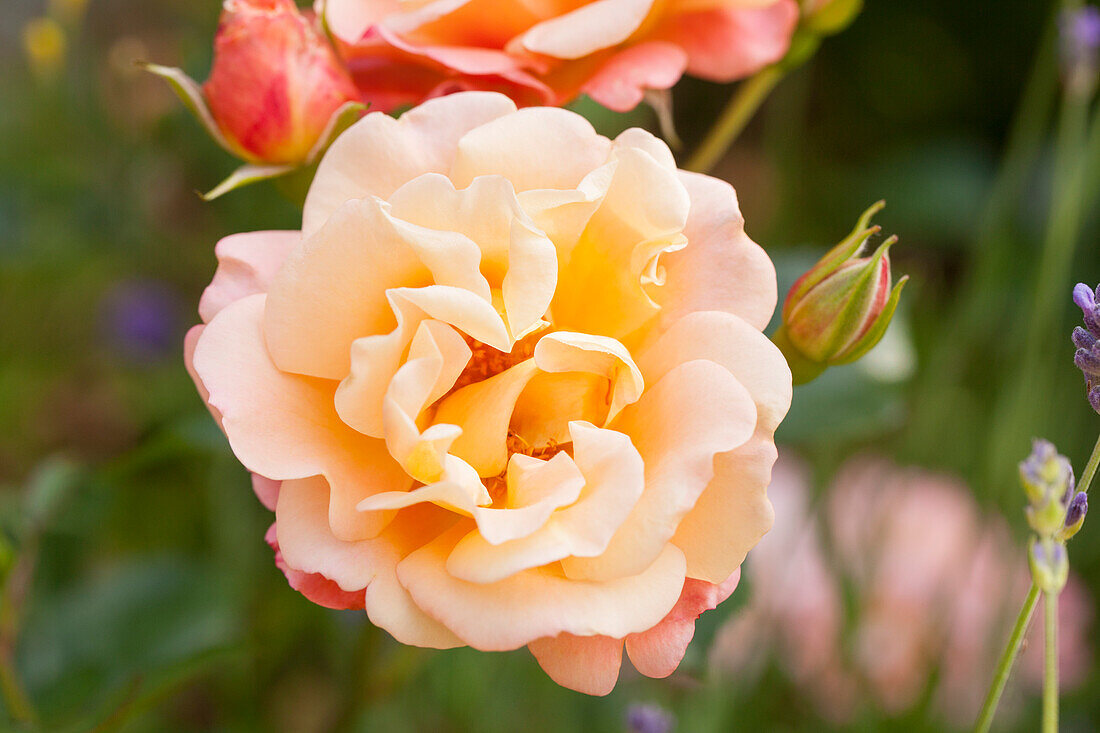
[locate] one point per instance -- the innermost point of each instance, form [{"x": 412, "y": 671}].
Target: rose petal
[
  {"x": 590, "y": 28},
  {"x": 537, "y": 603},
  {"x": 284, "y": 426},
  {"x": 588, "y": 664},
  {"x": 483, "y": 411},
  {"x": 308, "y": 546},
  {"x": 719, "y": 253},
  {"x": 314, "y": 586},
  {"x": 694, "y": 412},
  {"x": 613, "y": 481},
  {"x": 332, "y": 290},
  {"x": 378, "y": 154},
  {"x": 568, "y": 149},
  {"x": 724, "y": 44},
  {"x": 601, "y": 289},
  {"x": 621, "y": 82},
  {"x": 657, "y": 652},
  {"x": 247, "y": 263},
  {"x": 732, "y": 514},
  {"x": 727, "y": 340}
]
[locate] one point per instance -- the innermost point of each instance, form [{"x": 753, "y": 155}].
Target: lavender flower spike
[{"x": 1087, "y": 341}]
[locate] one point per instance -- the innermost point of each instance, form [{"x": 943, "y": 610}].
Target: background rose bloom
[
  {"x": 934, "y": 587},
  {"x": 550, "y": 52},
  {"x": 506, "y": 387}
]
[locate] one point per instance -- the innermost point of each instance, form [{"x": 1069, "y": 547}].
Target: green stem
[
  {"x": 740, "y": 109},
  {"x": 1017, "y": 410},
  {"x": 1090, "y": 468},
  {"x": 1008, "y": 658},
  {"x": 1050, "y": 653}
]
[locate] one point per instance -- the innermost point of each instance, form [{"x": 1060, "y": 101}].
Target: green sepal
[
  {"x": 343, "y": 118},
  {"x": 878, "y": 328},
  {"x": 803, "y": 369},
  {"x": 835, "y": 257},
  {"x": 246, "y": 175},
  {"x": 190, "y": 93}
]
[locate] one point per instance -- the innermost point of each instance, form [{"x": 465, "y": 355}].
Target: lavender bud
[
  {"x": 1049, "y": 563},
  {"x": 1080, "y": 42},
  {"x": 1082, "y": 339},
  {"x": 649, "y": 718},
  {"x": 1075, "y": 516}
]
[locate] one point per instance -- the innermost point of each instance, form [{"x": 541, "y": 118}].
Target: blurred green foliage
[{"x": 155, "y": 604}]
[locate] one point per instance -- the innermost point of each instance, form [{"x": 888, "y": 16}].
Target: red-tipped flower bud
[
  {"x": 275, "y": 83},
  {"x": 277, "y": 93},
  {"x": 841, "y": 307}
]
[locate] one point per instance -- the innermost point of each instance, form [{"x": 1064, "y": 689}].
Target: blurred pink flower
[
  {"x": 933, "y": 585},
  {"x": 549, "y": 52}
]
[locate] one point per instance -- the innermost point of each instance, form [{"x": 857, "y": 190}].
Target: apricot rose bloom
[
  {"x": 550, "y": 51},
  {"x": 507, "y": 387}
]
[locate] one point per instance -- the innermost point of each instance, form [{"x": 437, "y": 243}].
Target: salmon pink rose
[
  {"x": 507, "y": 386},
  {"x": 550, "y": 51}
]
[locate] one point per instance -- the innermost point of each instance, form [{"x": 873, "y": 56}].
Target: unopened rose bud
[
  {"x": 1049, "y": 563},
  {"x": 275, "y": 82},
  {"x": 841, "y": 307},
  {"x": 277, "y": 92}
]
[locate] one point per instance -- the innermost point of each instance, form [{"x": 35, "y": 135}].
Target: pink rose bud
[
  {"x": 275, "y": 83},
  {"x": 839, "y": 310}
]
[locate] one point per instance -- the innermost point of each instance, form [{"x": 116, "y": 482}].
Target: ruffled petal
[
  {"x": 247, "y": 263},
  {"x": 517, "y": 258},
  {"x": 314, "y": 586},
  {"x": 727, "y": 340},
  {"x": 540, "y": 602},
  {"x": 732, "y": 514},
  {"x": 567, "y": 150},
  {"x": 483, "y": 411},
  {"x": 307, "y": 546},
  {"x": 695, "y": 412},
  {"x": 613, "y": 481},
  {"x": 622, "y": 81},
  {"x": 284, "y": 426},
  {"x": 724, "y": 44},
  {"x": 378, "y": 154},
  {"x": 588, "y": 664},
  {"x": 657, "y": 652},
  {"x": 602, "y": 286},
  {"x": 592, "y": 27},
  {"x": 332, "y": 290},
  {"x": 719, "y": 254}
]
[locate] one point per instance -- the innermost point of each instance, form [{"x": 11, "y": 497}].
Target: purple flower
[
  {"x": 1087, "y": 340},
  {"x": 1080, "y": 41},
  {"x": 649, "y": 718},
  {"x": 141, "y": 319}
]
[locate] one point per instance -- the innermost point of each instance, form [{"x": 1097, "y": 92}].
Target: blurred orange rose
[
  {"x": 550, "y": 51},
  {"x": 507, "y": 387}
]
